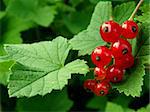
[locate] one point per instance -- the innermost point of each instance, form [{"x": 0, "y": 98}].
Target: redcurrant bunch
[{"x": 112, "y": 61}]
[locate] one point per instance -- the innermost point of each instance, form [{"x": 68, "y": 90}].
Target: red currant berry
[
  {"x": 130, "y": 29},
  {"x": 102, "y": 88},
  {"x": 90, "y": 84},
  {"x": 125, "y": 62},
  {"x": 114, "y": 74},
  {"x": 110, "y": 31},
  {"x": 100, "y": 73},
  {"x": 107, "y": 82},
  {"x": 121, "y": 48},
  {"x": 101, "y": 56}
]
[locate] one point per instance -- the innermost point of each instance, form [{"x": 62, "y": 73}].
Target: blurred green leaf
[
  {"x": 88, "y": 39},
  {"x": 94, "y": 1},
  {"x": 33, "y": 11},
  {"x": 63, "y": 8},
  {"x": 122, "y": 100},
  {"x": 40, "y": 67},
  {"x": 9, "y": 38},
  {"x": 6, "y": 2},
  {"x": 79, "y": 20},
  {"x": 12, "y": 38},
  {"x": 56, "y": 101},
  {"x": 112, "y": 107},
  {"x": 10, "y": 32},
  {"x": 52, "y": 1},
  {"x": 75, "y": 2},
  {"x": 12, "y": 23},
  {"x": 97, "y": 103},
  {"x": 122, "y": 12},
  {"x": 2, "y": 14},
  {"x": 133, "y": 84},
  {"x": 144, "y": 109},
  {"x": 5, "y": 71}
]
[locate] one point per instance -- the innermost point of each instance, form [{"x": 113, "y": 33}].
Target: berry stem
[
  {"x": 91, "y": 69},
  {"x": 111, "y": 18},
  {"x": 135, "y": 10},
  {"x": 147, "y": 67}
]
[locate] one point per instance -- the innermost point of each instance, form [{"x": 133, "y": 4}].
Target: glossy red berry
[
  {"x": 89, "y": 84},
  {"x": 101, "y": 56},
  {"x": 121, "y": 48},
  {"x": 114, "y": 74},
  {"x": 129, "y": 29},
  {"x": 125, "y": 61},
  {"x": 100, "y": 73},
  {"x": 102, "y": 88},
  {"x": 110, "y": 31}
]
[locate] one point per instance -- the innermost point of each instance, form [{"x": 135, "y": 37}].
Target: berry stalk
[
  {"x": 91, "y": 69},
  {"x": 135, "y": 10}
]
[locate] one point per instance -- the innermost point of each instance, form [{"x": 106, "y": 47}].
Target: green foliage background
[{"x": 46, "y": 45}]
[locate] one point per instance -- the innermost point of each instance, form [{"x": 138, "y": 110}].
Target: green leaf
[
  {"x": 145, "y": 7},
  {"x": 112, "y": 107},
  {"x": 115, "y": 1},
  {"x": 144, "y": 18},
  {"x": 133, "y": 43},
  {"x": 143, "y": 54},
  {"x": 88, "y": 39},
  {"x": 56, "y": 101},
  {"x": 11, "y": 23},
  {"x": 144, "y": 109},
  {"x": 145, "y": 14},
  {"x": 97, "y": 103},
  {"x": 6, "y": 2},
  {"x": 147, "y": 1},
  {"x": 7, "y": 38},
  {"x": 40, "y": 67},
  {"x": 78, "y": 20},
  {"x": 123, "y": 100},
  {"x": 2, "y": 51},
  {"x": 94, "y": 1},
  {"x": 133, "y": 84},
  {"x": 75, "y": 2},
  {"x": 2, "y": 14},
  {"x": 146, "y": 80},
  {"x": 64, "y": 8},
  {"x": 122, "y": 12},
  {"x": 5, "y": 71},
  {"x": 45, "y": 16},
  {"x": 32, "y": 10},
  {"x": 10, "y": 34}
]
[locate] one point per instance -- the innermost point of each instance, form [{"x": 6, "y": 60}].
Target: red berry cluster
[{"x": 119, "y": 54}]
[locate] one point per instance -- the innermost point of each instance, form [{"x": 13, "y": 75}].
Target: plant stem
[
  {"x": 111, "y": 18},
  {"x": 147, "y": 67},
  {"x": 91, "y": 69},
  {"x": 135, "y": 10}
]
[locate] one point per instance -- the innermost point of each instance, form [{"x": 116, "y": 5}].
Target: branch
[{"x": 135, "y": 10}]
